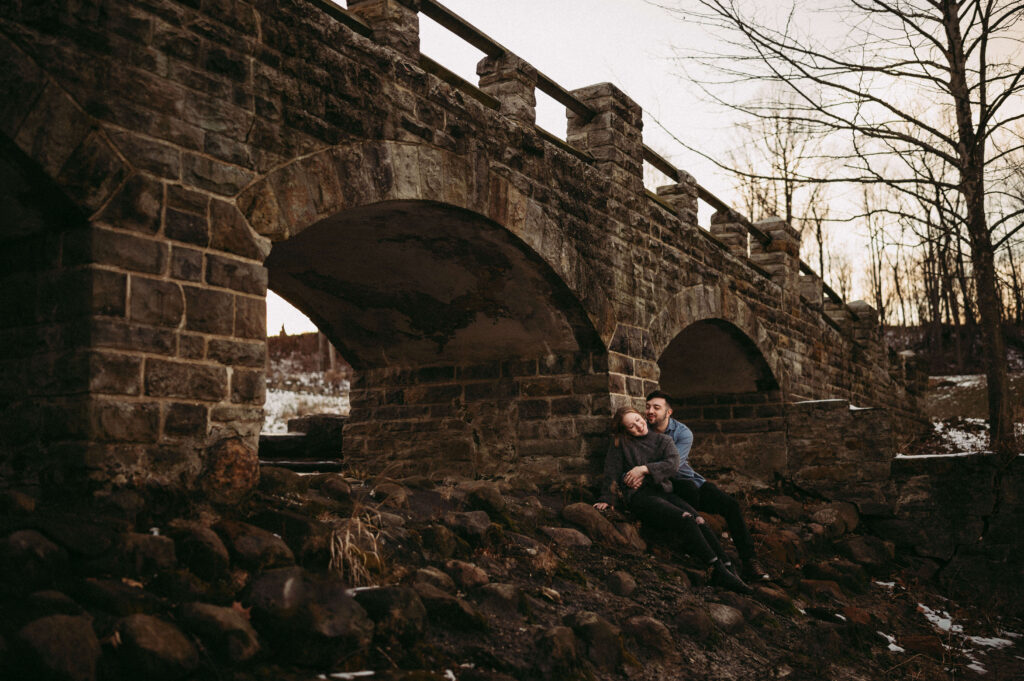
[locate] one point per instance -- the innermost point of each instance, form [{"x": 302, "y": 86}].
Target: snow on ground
[
  {"x": 964, "y": 381},
  {"x": 970, "y": 646},
  {"x": 282, "y": 405}
]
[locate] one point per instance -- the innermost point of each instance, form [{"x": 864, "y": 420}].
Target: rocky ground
[{"x": 344, "y": 576}]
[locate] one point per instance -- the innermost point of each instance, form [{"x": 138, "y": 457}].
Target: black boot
[{"x": 724, "y": 577}]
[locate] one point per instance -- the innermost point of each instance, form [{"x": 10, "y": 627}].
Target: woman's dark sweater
[{"x": 654, "y": 450}]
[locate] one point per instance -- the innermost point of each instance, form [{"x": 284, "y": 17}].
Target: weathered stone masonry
[{"x": 498, "y": 293}]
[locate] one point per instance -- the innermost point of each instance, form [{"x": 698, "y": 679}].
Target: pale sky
[{"x": 578, "y": 43}]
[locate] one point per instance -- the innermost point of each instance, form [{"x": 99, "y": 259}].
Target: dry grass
[{"x": 356, "y": 547}]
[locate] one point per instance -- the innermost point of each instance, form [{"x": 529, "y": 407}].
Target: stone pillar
[
  {"x": 512, "y": 82},
  {"x": 730, "y": 232},
  {"x": 612, "y": 136},
  {"x": 395, "y": 23},
  {"x": 811, "y": 290},
  {"x": 781, "y": 257},
  {"x": 865, "y": 328},
  {"x": 682, "y": 196},
  {"x": 838, "y": 313}
]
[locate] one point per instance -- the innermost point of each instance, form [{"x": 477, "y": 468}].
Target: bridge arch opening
[
  {"x": 469, "y": 352},
  {"x": 726, "y": 393}
]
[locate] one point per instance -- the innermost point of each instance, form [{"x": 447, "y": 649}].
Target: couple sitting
[{"x": 648, "y": 464}]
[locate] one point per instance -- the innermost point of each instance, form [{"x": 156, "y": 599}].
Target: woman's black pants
[{"x": 665, "y": 511}]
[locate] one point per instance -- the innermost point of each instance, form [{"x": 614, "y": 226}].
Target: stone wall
[
  {"x": 841, "y": 452},
  {"x": 961, "y": 518},
  {"x": 459, "y": 418}
]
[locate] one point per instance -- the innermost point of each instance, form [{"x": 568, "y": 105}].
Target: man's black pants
[{"x": 709, "y": 498}]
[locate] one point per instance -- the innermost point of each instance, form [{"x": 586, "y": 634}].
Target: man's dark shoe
[
  {"x": 753, "y": 571},
  {"x": 724, "y": 577}
]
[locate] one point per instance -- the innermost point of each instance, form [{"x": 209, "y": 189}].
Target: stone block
[
  {"x": 231, "y": 233},
  {"x": 183, "y": 379},
  {"x": 246, "y": 277},
  {"x": 118, "y": 334},
  {"x": 214, "y": 176},
  {"x": 156, "y": 302},
  {"x": 185, "y": 420},
  {"x": 136, "y": 206},
  {"x": 187, "y": 227},
  {"x": 52, "y": 130},
  {"x": 147, "y": 154},
  {"x": 115, "y": 373},
  {"x": 125, "y": 421},
  {"x": 106, "y": 293},
  {"x": 209, "y": 311},
  {"x": 240, "y": 353},
  {"x": 248, "y": 386},
  {"x": 186, "y": 264},
  {"x": 250, "y": 318}
]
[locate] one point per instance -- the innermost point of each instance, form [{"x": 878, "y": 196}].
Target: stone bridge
[{"x": 498, "y": 291}]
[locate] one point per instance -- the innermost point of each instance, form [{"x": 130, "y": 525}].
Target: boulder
[
  {"x": 447, "y": 610},
  {"x": 398, "y": 614},
  {"x": 201, "y": 550},
  {"x": 276, "y": 480},
  {"x": 485, "y": 496},
  {"x": 59, "y": 647},
  {"x": 536, "y": 555},
  {"x": 594, "y": 525},
  {"x": 556, "y": 652},
  {"x": 621, "y": 583},
  {"x": 252, "y": 547},
  {"x": 651, "y": 635},
  {"x": 152, "y": 648},
  {"x": 44, "y": 603},
  {"x": 335, "y": 486},
  {"x": 474, "y": 526},
  {"x": 693, "y": 622},
  {"x": 29, "y": 560},
  {"x": 434, "y": 577},
  {"x": 224, "y": 631},
  {"x": 232, "y": 471},
  {"x": 602, "y": 640},
  {"x": 391, "y": 494},
  {"x": 567, "y": 536},
  {"x": 144, "y": 555},
  {"x": 500, "y": 598},
  {"x": 117, "y": 597},
  {"x": 727, "y": 618},
  {"x": 466, "y": 575},
  {"x": 439, "y": 542}
]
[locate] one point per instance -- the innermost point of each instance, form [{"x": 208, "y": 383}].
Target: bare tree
[{"x": 867, "y": 79}]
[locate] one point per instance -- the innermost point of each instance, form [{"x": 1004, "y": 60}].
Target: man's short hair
[{"x": 663, "y": 395}]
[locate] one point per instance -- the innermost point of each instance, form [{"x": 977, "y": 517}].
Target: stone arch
[
  {"x": 302, "y": 193},
  {"x": 711, "y": 302},
  {"x": 481, "y": 346},
  {"x": 719, "y": 363}
]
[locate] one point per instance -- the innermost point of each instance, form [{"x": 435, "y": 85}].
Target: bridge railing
[{"x": 730, "y": 223}]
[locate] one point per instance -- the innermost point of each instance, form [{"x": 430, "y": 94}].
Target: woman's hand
[
  {"x": 601, "y": 505},
  {"x": 635, "y": 477}
]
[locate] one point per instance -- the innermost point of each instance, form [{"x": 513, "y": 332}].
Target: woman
[{"x": 641, "y": 464}]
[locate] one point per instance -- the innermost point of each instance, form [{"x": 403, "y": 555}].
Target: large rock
[
  {"x": 474, "y": 526},
  {"x": 651, "y": 635},
  {"x": 28, "y": 559},
  {"x": 202, "y": 551},
  {"x": 694, "y": 623},
  {"x": 556, "y": 648},
  {"x": 59, "y": 647},
  {"x": 727, "y": 618},
  {"x": 534, "y": 554},
  {"x": 224, "y": 631},
  {"x": 397, "y": 612},
  {"x": 311, "y": 622},
  {"x": 435, "y": 577},
  {"x": 466, "y": 575},
  {"x": 146, "y": 554},
  {"x": 594, "y": 525},
  {"x": 621, "y": 583},
  {"x": 602, "y": 639},
  {"x": 448, "y": 610},
  {"x": 485, "y": 496},
  {"x": 254, "y": 548},
  {"x": 567, "y": 536},
  {"x": 232, "y": 471},
  {"x": 154, "y": 649}
]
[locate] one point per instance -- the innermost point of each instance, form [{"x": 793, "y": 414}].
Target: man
[{"x": 698, "y": 492}]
